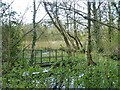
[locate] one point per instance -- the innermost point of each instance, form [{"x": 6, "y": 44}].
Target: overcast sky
[{"x": 20, "y": 6}]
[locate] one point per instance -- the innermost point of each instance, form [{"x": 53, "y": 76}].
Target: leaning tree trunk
[
  {"x": 75, "y": 30},
  {"x": 58, "y": 25},
  {"x": 34, "y": 34},
  {"x": 89, "y": 56}
]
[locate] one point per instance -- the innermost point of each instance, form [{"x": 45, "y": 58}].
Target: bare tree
[
  {"x": 96, "y": 27},
  {"x": 110, "y": 21},
  {"x": 89, "y": 56},
  {"x": 57, "y": 23},
  {"x": 119, "y": 16},
  {"x": 34, "y": 33}
]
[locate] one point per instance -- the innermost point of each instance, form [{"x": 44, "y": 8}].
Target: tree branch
[
  {"x": 88, "y": 18},
  {"x": 22, "y": 38}
]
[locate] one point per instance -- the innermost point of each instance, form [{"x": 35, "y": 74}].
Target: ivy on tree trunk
[{"x": 34, "y": 34}]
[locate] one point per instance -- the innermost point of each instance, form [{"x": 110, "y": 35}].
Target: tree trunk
[
  {"x": 34, "y": 34},
  {"x": 110, "y": 22},
  {"x": 58, "y": 26},
  {"x": 67, "y": 30},
  {"x": 118, "y": 30},
  {"x": 96, "y": 28},
  {"x": 89, "y": 56},
  {"x": 75, "y": 30}
]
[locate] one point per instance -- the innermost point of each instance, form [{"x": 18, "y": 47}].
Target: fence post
[
  {"x": 69, "y": 52},
  {"x": 35, "y": 56},
  {"x": 41, "y": 55},
  {"x": 23, "y": 53},
  {"x": 49, "y": 55},
  {"x": 56, "y": 54},
  {"x": 62, "y": 55}
]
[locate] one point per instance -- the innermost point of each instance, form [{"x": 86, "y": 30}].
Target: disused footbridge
[{"x": 48, "y": 57}]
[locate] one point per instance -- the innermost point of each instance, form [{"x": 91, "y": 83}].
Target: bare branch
[
  {"x": 38, "y": 7},
  {"x": 7, "y": 7},
  {"x": 24, "y": 14},
  {"x": 36, "y": 40},
  {"x": 22, "y": 38},
  {"x": 88, "y": 18},
  {"x": 42, "y": 19}
]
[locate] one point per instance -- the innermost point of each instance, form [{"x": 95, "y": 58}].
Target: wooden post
[
  {"x": 49, "y": 55},
  {"x": 35, "y": 55},
  {"x": 41, "y": 55},
  {"x": 68, "y": 52},
  {"x": 56, "y": 54},
  {"x": 62, "y": 55},
  {"x": 23, "y": 56},
  {"x": 23, "y": 53}
]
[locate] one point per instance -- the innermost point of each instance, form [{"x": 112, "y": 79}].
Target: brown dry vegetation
[{"x": 46, "y": 44}]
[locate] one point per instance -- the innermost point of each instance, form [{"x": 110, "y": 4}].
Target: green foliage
[
  {"x": 104, "y": 75},
  {"x": 11, "y": 34},
  {"x": 72, "y": 69}
]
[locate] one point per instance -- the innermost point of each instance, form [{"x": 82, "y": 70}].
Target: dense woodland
[{"x": 89, "y": 35}]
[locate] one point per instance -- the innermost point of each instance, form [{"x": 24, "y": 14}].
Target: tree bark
[
  {"x": 34, "y": 34},
  {"x": 89, "y": 56},
  {"x": 59, "y": 27},
  {"x": 96, "y": 28},
  {"x": 118, "y": 30},
  {"x": 75, "y": 30},
  {"x": 110, "y": 22}
]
